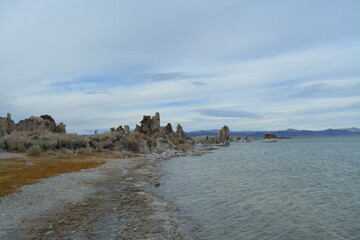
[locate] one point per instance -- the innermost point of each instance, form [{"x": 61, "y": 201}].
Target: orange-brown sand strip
[{"x": 14, "y": 173}]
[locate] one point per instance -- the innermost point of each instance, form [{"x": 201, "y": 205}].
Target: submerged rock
[{"x": 269, "y": 135}]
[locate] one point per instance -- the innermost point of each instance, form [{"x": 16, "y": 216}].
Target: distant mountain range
[{"x": 283, "y": 133}]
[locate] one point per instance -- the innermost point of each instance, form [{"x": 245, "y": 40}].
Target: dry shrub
[
  {"x": 34, "y": 150},
  {"x": 185, "y": 147},
  {"x": 14, "y": 140},
  {"x": 21, "y": 147},
  {"x": 99, "y": 147},
  {"x": 112, "y": 136},
  {"x": 131, "y": 144},
  {"x": 31, "y": 133},
  {"x": 2, "y": 143},
  {"x": 176, "y": 141},
  {"x": 124, "y": 154}
]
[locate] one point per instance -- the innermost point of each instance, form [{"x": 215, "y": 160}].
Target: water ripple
[{"x": 292, "y": 189}]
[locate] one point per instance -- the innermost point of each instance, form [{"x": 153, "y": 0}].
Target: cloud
[
  {"x": 324, "y": 90},
  {"x": 228, "y": 113},
  {"x": 352, "y": 107},
  {"x": 162, "y": 76},
  {"x": 198, "y": 83},
  {"x": 96, "y": 92},
  {"x": 196, "y": 61}
]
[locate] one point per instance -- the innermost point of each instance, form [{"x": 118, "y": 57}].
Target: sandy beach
[{"x": 117, "y": 200}]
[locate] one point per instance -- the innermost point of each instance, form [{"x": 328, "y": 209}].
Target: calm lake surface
[{"x": 301, "y": 188}]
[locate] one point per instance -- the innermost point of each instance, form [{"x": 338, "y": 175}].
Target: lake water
[{"x": 304, "y": 188}]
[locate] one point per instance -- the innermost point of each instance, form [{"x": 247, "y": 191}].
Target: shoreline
[{"x": 116, "y": 200}]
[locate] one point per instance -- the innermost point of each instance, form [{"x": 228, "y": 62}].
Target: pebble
[{"x": 49, "y": 233}]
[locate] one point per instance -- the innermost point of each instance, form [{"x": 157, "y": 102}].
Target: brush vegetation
[{"x": 35, "y": 143}]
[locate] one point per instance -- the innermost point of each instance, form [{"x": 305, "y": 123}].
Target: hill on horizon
[{"x": 283, "y": 133}]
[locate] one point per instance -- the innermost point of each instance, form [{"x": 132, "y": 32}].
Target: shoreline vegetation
[
  {"x": 118, "y": 159},
  {"x": 50, "y": 151}
]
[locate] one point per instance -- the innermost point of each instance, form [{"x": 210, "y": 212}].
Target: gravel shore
[{"x": 114, "y": 201}]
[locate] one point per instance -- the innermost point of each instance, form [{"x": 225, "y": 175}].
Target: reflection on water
[{"x": 292, "y": 189}]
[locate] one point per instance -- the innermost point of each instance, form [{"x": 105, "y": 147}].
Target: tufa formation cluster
[
  {"x": 223, "y": 138},
  {"x": 44, "y": 124}
]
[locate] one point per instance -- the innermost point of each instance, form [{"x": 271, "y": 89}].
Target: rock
[
  {"x": 146, "y": 124},
  {"x": 168, "y": 129},
  {"x": 179, "y": 132},
  {"x": 126, "y": 130},
  {"x": 150, "y": 124},
  {"x": 150, "y": 136},
  {"x": 224, "y": 135},
  {"x": 120, "y": 129},
  {"x": 269, "y": 135},
  {"x": 137, "y": 128},
  {"x": 44, "y": 123},
  {"x": 49, "y": 233},
  {"x": 155, "y": 123},
  {"x": 7, "y": 125},
  {"x": 61, "y": 128}
]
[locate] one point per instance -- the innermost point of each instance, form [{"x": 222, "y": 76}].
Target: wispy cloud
[
  {"x": 198, "y": 83},
  {"x": 228, "y": 113},
  {"x": 162, "y": 76},
  {"x": 325, "y": 89}
]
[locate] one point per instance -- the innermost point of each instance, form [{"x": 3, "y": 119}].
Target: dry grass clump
[
  {"x": 131, "y": 144},
  {"x": 15, "y": 173},
  {"x": 124, "y": 154},
  {"x": 185, "y": 147},
  {"x": 34, "y": 150}
]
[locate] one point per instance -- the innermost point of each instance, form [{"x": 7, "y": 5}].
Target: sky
[{"x": 251, "y": 65}]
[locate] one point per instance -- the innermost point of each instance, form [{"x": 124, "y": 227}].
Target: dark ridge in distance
[{"x": 283, "y": 133}]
